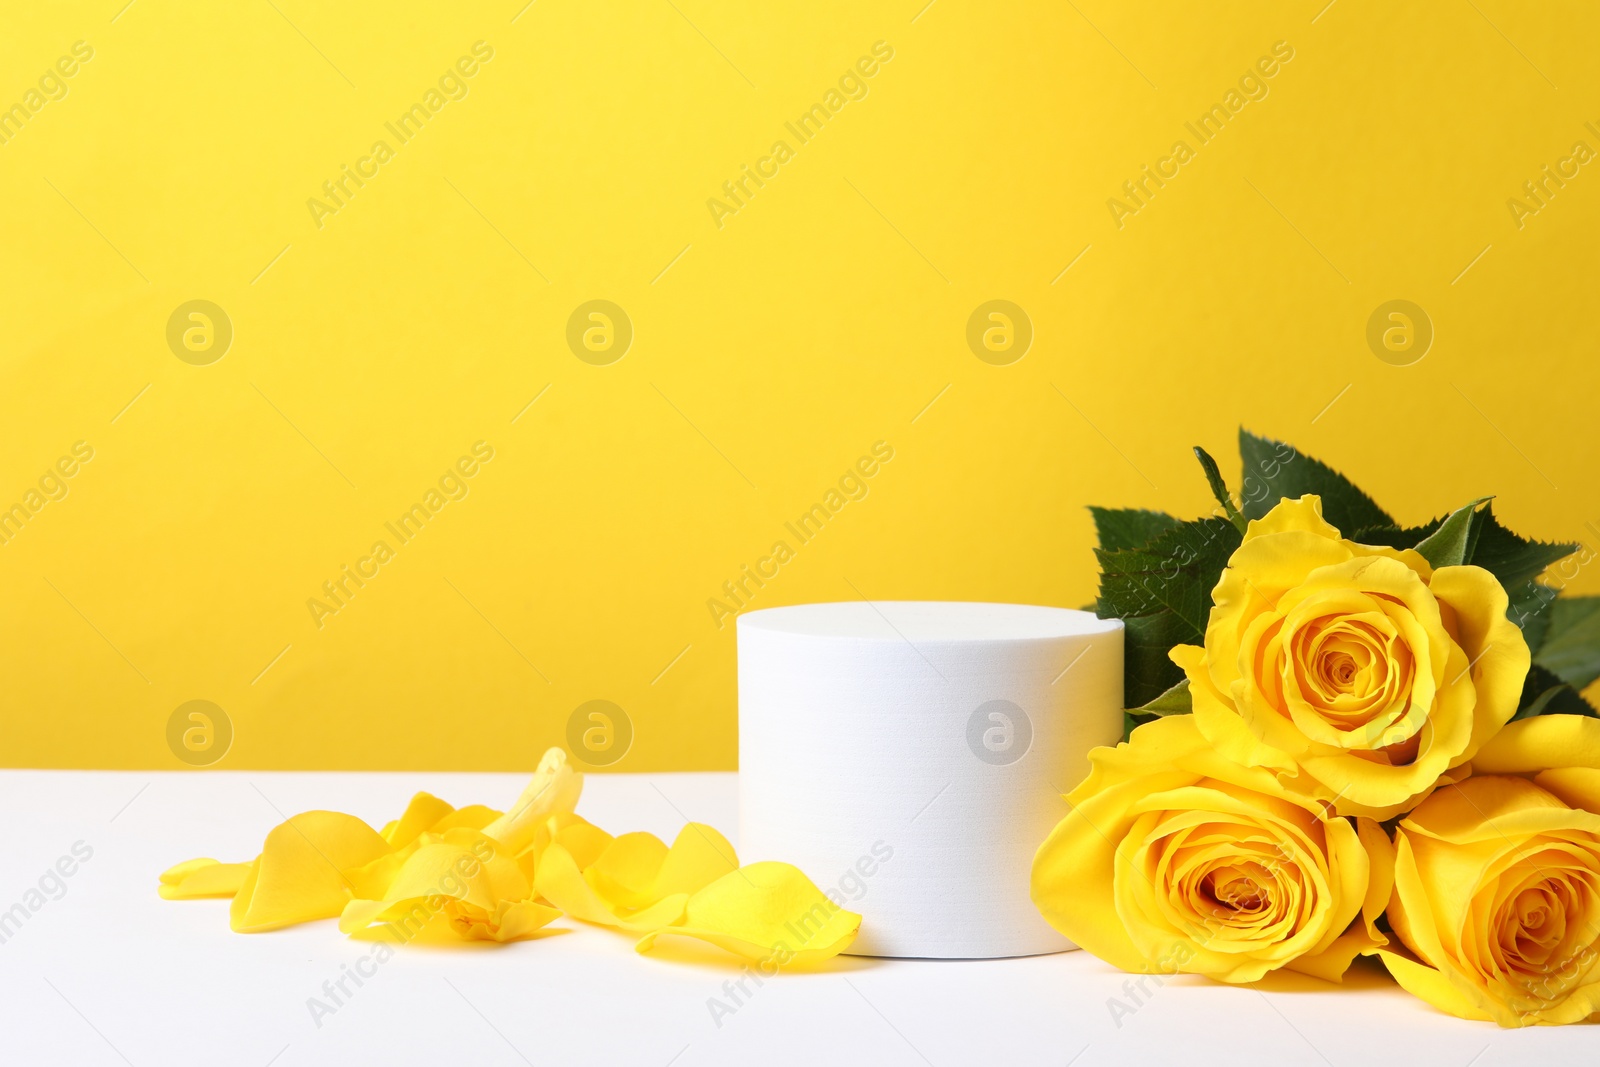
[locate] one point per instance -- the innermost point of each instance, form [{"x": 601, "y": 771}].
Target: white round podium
[{"x": 910, "y": 757}]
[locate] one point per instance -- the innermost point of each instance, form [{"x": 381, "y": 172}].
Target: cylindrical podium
[{"x": 910, "y": 757}]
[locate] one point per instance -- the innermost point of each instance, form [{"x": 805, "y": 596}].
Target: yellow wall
[{"x": 773, "y": 345}]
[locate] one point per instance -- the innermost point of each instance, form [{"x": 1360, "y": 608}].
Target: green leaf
[
  {"x": 1162, "y": 593},
  {"x": 1571, "y": 647},
  {"x": 1530, "y": 609},
  {"x": 1219, "y": 489},
  {"x": 1130, "y": 527},
  {"x": 1147, "y": 672},
  {"x": 1174, "y": 573},
  {"x": 1539, "y": 703},
  {"x": 1273, "y": 470},
  {"x": 1394, "y": 536},
  {"x": 1452, "y": 543},
  {"x": 1543, "y": 693},
  {"x": 1174, "y": 701},
  {"x": 1510, "y": 558}
]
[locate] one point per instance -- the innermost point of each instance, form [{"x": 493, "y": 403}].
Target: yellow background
[{"x": 769, "y": 353}]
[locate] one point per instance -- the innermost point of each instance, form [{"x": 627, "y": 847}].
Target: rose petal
[
  {"x": 561, "y": 883},
  {"x": 1541, "y": 743},
  {"x": 301, "y": 872},
  {"x": 554, "y": 789},
  {"x": 1430, "y": 985},
  {"x": 424, "y": 810},
  {"x": 768, "y": 912},
  {"x": 463, "y": 876},
  {"x": 194, "y": 879}
]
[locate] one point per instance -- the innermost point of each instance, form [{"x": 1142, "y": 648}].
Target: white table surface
[{"x": 110, "y": 974}]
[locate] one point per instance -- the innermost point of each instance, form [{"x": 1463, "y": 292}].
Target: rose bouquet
[{"x": 1345, "y": 737}]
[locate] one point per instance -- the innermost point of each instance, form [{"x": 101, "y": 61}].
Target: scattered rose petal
[{"x": 768, "y": 912}]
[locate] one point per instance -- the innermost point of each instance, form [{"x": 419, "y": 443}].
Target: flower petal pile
[{"x": 487, "y": 875}]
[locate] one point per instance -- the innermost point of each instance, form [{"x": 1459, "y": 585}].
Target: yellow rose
[
  {"x": 1497, "y": 891},
  {"x": 1498, "y": 883},
  {"x": 1174, "y": 859},
  {"x": 1357, "y": 671}
]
